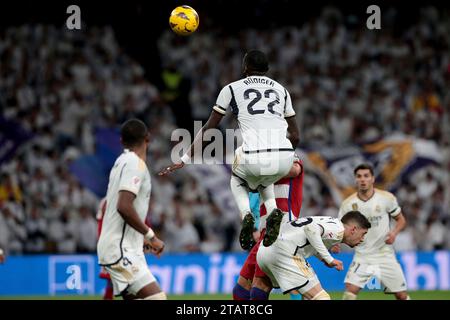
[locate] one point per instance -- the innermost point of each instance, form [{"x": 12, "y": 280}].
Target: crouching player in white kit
[
  {"x": 121, "y": 242},
  {"x": 285, "y": 260},
  {"x": 376, "y": 256}
]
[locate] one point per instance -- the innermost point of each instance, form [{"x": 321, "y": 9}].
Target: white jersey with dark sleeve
[
  {"x": 261, "y": 106},
  {"x": 309, "y": 236},
  {"x": 378, "y": 210},
  {"x": 129, "y": 173}
]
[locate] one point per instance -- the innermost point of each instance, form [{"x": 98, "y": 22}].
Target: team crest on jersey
[
  {"x": 377, "y": 208},
  {"x": 354, "y": 206},
  {"x": 134, "y": 269}
]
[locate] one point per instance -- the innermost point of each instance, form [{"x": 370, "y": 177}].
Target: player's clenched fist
[{"x": 337, "y": 264}]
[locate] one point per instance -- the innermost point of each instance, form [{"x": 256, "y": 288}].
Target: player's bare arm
[
  {"x": 213, "y": 121},
  {"x": 294, "y": 135},
  {"x": 400, "y": 224},
  {"x": 128, "y": 212},
  {"x": 312, "y": 233}
]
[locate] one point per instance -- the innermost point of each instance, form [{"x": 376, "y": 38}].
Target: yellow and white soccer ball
[{"x": 184, "y": 20}]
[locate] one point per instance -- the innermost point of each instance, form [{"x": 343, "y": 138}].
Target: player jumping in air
[
  {"x": 375, "y": 256},
  {"x": 253, "y": 284},
  {"x": 265, "y": 115},
  {"x": 121, "y": 243}
]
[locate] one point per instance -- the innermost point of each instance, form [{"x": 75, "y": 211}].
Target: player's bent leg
[
  {"x": 157, "y": 296},
  {"x": 149, "y": 290},
  {"x": 273, "y": 223},
  {"x": 240, "y": 193},
  {"x": 322, "y": 295},
  {"x": 261, "y": 288},
  {"x": 268, "y": 197},
  {"x": 241, "y": 290},
  {"x": 316, "y": 293},
  {"x": 246, "y": 234},
  {"x": 109, "y": 293},
  {"x": 351, "y": 292}
]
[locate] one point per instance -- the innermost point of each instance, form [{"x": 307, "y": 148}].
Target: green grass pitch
[{"x": 364, "y": 295}]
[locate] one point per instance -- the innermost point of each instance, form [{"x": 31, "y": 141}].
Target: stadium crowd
[{"x": 348, "y": 85}]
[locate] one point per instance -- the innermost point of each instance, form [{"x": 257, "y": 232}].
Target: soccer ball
[{"x": 184, "y": 20}]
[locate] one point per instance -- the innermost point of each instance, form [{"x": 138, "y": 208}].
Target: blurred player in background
[
  {"x": 253, "y": 284},
  {"x": 108, "y": 294},
  {"x": 121, "y": 244},
  {"x": 265, "y": 115},
  {"x": 285, "y": 263},
  {"x": 375, "y": 256}
]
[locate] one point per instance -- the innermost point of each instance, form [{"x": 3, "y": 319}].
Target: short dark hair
[
  {"x": 256, "y": 60},
  {"x": 133, "y": 132},
  {"x": 363, "y": 166},
  {"x": 356, "y": 217}
]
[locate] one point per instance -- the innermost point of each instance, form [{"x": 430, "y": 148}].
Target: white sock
[
  {"x": 268, "y": 197},
  {"x": 322, "y": 295},
  {"x": 349, "y": 296},
  {"x": 156, "y": 296},
  {"x": 240, "y": 194}
]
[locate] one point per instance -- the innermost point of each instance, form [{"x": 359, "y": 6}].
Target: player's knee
[
  {"x": 240, "y": 293},
  {"x": 321, "y": 295},
  {"x": 156, "y": 296},
  {"x": 349, "y": 296}
]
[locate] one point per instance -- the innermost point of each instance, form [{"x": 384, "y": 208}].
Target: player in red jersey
[
  {"x": 253, "y": 284},
  {"x": 108, "y": 294}
]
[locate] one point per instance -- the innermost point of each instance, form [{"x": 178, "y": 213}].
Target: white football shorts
[
  {"x": 262, "y": 168},
  {"x": 285, "y": 270},
  {"x": 131, "y": 273},
  {"x": 387, "y": 270}
]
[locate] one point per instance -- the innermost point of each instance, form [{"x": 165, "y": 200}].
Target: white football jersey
[
  {"x": 311, "y": 236},
  {"x": 378, "y": 210},
  {"x": 261, "y": 106},
  {"x": 129, "y": 173}
]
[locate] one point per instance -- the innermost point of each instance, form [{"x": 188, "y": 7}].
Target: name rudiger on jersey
[{"x": 251, "y": 80}]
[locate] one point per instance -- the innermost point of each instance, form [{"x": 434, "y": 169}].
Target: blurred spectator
[
  {"x": 87, "y": 231},
  {"x": 36, "y": 228},
  {"x": 180, "y": 234},
  {"x": 348, "y": 86},
  {"x": 405, "y": 240},
  {"x": 62, "y": 233},
  {"x": 433, "y": 235}
]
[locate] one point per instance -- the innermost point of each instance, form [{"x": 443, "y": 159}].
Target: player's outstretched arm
[
  {"x": 213, "y": 122},
  {"x": 400, "y": 224}
]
